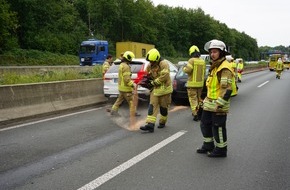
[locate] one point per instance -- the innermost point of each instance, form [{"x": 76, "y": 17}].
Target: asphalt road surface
[{"x": 89, "y": 149}]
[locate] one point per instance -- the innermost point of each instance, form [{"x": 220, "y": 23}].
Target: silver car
[{"x": 138, "y": 69}]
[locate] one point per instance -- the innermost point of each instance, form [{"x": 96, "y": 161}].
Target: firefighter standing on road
[
  {"x": 216, "y": 104},
  {"x": 125, "y": 85},
  {"x": 240, "y": 69},
  {"x": 107, "y": 64},
  {"x": 233, "y": 64},
  {"x": 279, "y": 68},
  {"x": 196, "y": 72},
  {"x": 160, "y": 96}
]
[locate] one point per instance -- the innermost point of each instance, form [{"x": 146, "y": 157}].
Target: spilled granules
[{"x": 133, "y": 124}]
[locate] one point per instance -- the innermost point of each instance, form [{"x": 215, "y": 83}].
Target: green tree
[
  {"x": 49, "y": 25},
  {"x": 8, "y": 26}
]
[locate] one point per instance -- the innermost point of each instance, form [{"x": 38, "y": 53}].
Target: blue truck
[{"x": 93, "y": 52}]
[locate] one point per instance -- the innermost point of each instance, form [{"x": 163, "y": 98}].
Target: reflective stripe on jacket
[
  {"x": 214, "y": 87},
  {"x": 279, "y": 66},
  {"x": 196, "y": 71}
]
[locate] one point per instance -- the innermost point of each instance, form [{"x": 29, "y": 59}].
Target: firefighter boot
[
  {"x": 218, "y": 152},
  {"x": 148, "y": 127},
  {"x": 161, "y": 125},
  {"x": 206, "y": 147},
  {"x": 114, "y": 113}
]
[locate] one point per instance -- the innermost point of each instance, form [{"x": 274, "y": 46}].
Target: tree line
[{"x": 59, "y": 26}]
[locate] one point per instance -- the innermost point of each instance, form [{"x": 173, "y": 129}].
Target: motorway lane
[{"x": 69, "y": 152}]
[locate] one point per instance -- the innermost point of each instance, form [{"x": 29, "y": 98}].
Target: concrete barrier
[{"x": 26, "y": 100}]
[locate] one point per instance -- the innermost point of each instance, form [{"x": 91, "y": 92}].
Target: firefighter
[
  {"x": 279, "y": 68},
  {"x": 233, "y": 64},
  {"x": 161, "y": 88},
  {"x": 240, "y": 69},
  {"x": 195, "y": 70},
  {"x": 107, "y": 64},
  {"x": 125, "y": 85},
  {"x": 217, "y": 102}
]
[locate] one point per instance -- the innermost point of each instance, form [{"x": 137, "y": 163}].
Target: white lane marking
[
  {"x": 126, "y": 165},
  {"x": 49, "y": 119},
  {"x": 263, "y": 84}
]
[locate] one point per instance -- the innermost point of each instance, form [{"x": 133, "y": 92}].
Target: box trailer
[{"x": 139, "y": 49}]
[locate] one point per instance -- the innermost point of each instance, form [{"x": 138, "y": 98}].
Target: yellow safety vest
[
  {"x": 196, "y": 80},
  {"x": 125, "y": 84},
  {"x": 279, "y": 66},
  {"x": 213, "y": 90},
  {"x": 213, "y": 84}
]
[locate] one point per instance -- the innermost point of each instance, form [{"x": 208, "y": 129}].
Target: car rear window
[
  {"x": 135, "y": 67},
  {"x": 180, "y": 74}
]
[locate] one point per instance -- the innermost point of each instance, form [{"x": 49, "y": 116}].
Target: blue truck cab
[{"x": 93, "y": 52}]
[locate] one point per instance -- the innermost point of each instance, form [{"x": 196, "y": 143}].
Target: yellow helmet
[
  {"x": 129, "y": 55},
  {"x": 193, "y": 49},
  {"x": 153, "y": 55}
]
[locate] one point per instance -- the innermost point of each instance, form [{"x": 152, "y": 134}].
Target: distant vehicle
[
  {"x": 139, "y": 49},
  {"x": 138, "y": 69},
  {"x": 93, "y": 52},
  {"x": 179, "y": 94},
  {"x": 181, "y": 63},
  {"x": 273, "y": 61},
  {"x": 206, "y": 58}
]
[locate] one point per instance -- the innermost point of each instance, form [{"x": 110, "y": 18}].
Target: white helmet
[
  {"x": 215, "y": 44},
  {"x": 229, "y": 58}
]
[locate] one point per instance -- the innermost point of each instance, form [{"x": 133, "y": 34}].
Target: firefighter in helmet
[
  {"x": 161, "y": 88},
  {"x": 195, "y": 70},
  {"x": 240, "y": 69},
  {"x": 279, "y": 68},
  {"x": 217, "y": 102},
  {"x": 125, "y": 85},
  {"x": 233, "y": 64}
]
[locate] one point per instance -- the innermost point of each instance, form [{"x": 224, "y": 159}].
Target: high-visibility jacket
[
  {"x": 105, "y": 67},
  {"x": 240, "y": 67},
  {"x": 160, "y": 74},
  {"x": 219, "y": 80},
  {"x": 125, "y": 84},
  {"x": 196, "y": 71},
  {"x": 279, "y": 66}
]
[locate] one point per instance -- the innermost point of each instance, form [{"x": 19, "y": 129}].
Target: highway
[{"x": 89, "y": 149}]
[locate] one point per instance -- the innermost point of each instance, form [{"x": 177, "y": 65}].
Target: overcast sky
[{"x": 267, "y": 21}]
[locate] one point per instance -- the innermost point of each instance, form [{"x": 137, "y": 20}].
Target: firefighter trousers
[
  {"x": 128, "y": 96},
  {"x": 194, "y": 97},
  {"x": 158, "y": 102},
  {"x": 213, "y": 128}
]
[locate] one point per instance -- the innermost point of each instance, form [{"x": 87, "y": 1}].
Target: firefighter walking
[
  {"x": 125, "y": 85},
  {"x": 279, "y": 68},
  {"x": 217, "y": 102},
  {"x": 196, "y": 73},
  {"x": 159, "y": 82}
]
